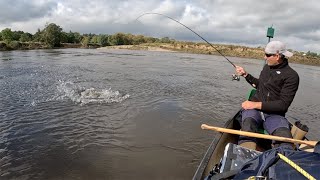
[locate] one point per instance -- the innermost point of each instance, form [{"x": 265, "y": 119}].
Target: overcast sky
[{"x": 243, "y": 22}]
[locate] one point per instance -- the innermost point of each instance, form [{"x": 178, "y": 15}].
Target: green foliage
[
  {"x": 151, "y": 39},
  {"x": 52, "y": 35},
  {"x": 166, "y": 40},
  {"x": 138, "y": 40},
  {"x": 94, "y": 39},
  {"x": 25, "y": 37},
  {"x": 77, "y": 37},
  {"x": 64, "y": 37},
  {"x": 312, "y": 54},
  {"x": 17, "y": 35},
  {"x": 117, "y": 39},
  {"x": 15, "y": 44},
  {"x": 72, "y": 37},
  {"x": 7, "y": 35},
  {"x": 37, "y": 37},
  {"x": 85, "y": 41},
  {"x": 100, "y": 40},
  {"x": 103, "y": 40}
]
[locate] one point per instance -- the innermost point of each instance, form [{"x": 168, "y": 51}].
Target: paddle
[{"x": 257, "y": 135}]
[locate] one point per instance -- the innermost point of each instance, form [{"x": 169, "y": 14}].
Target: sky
[{"x": 238, "y": 22}]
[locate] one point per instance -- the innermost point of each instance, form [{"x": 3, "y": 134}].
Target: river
[{"x": 121, "y": 114}]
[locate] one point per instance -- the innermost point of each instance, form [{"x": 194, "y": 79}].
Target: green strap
[{"x": 251, "y": 93}]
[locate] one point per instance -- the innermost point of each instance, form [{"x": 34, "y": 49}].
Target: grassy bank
[{"x": 227, "y": 50}]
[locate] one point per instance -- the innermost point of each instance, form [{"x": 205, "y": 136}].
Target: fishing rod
[{"x": 234, "y": 76}]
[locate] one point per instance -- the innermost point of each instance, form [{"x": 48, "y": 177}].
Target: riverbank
[
  {"x": 139, "y": 47},
  {"x": 185, "y": 47},
  {"x": 16, "y": 45},
  {"x": 227, "y": 50}
]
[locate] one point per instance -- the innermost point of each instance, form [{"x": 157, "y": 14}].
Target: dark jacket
[{"x": 276, "y": 87}]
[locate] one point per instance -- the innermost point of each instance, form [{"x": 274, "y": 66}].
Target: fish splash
[{"x": 84, "y": 96}]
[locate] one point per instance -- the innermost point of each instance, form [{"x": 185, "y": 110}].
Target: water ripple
[{"x": 117, "y": 114}]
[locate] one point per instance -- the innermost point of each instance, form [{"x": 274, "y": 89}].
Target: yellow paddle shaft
[{"x": 257, "y": 135}]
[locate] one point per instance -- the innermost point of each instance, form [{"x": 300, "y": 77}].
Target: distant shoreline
[
  {"x": 137, "y": 47},
  {"x": 34, "y": 45},
  {"x": 184, "y": 47},
  {"x": 227, "y": 50}
]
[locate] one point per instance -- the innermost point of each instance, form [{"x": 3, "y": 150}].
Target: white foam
[{"x": 84, "y": 96}]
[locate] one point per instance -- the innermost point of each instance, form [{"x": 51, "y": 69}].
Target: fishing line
[{"x": 194, "y": 33}]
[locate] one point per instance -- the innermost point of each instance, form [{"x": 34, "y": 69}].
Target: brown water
[{"x": 118, "y": 114}]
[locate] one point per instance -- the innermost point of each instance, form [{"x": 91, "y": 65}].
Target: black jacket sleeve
[{"x": 254, "y": 82}]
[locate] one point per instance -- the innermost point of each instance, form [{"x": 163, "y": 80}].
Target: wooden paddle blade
[{"x": 257, "y": 135}]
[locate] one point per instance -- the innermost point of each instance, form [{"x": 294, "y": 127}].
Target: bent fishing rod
[
  {"x": 234, "y": 76},
  {"x": 193, "y": 32}
]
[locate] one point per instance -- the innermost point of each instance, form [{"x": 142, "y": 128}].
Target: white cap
[{"x": 275, "y": 47}]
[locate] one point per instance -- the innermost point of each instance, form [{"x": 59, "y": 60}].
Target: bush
[
  {"x": 15, "y": 45},
  {"x": 3, "y": 46}
]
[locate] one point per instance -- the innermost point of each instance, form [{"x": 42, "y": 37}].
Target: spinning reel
[{"x": 235, "y": 77}]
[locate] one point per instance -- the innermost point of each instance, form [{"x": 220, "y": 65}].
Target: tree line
[{"x": 53, "y": 36}]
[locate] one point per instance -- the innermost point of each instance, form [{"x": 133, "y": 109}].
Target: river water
[{"x": 120, "y": 114}]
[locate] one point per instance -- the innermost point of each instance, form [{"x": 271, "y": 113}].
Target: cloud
[
  {"x": 20, "y": 10},
  {"x": 242, "y": 22}
]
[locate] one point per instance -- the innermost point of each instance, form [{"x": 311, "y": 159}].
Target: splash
[{"x": 84, "y": 96}]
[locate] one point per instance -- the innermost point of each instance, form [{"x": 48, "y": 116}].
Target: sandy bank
[{"x": 139, "y": 47}]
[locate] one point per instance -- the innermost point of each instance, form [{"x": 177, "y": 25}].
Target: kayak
[{"x": 220, "y": 157}]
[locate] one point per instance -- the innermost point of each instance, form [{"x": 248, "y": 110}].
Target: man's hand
[
  {"x": 240, "y": 71},
  {"x": 251, "y": 105}
]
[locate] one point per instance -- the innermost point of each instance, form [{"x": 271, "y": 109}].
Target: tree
[
  {"x": 25, "y": 37},
  {"x": 7, "y": 35},
  {"x": 103, "y": 40},
  {"x": 52, "y": 35},
  {"x": 64, "y": 37},
  {"x": 94, "y": 40},
  {"x": 17, "y": 35},
  {"x": 77, "y": 37},
  {"x": 37, "y": 37},
  {"x": 165, "y": 40},
  {"x": 138, "y": 39},
  {"x": 119, "y": 39},
  {"x": 312, "y": 54},
  {"x": 70, "y": 37},
  {"x": 85, "y": 41},
  {"x": 151, "y": 39}
]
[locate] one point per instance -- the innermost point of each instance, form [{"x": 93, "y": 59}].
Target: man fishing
[{"x": 276, "y": 88}]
